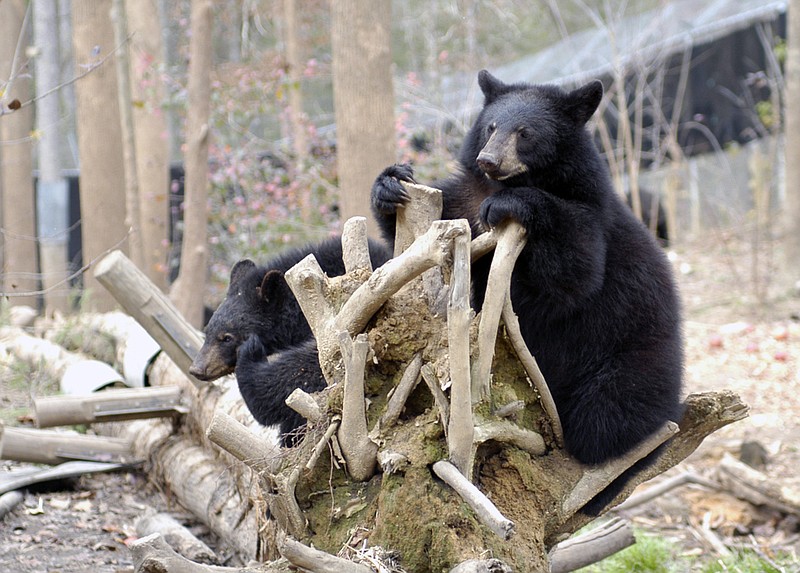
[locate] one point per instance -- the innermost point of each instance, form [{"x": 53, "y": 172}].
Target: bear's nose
[
  {"x": 198, "y": 371},
  {"x": 488, "y": 162}
]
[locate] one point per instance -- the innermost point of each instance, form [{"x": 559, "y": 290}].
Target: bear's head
[
  {"x": 523, "y": 128},
  {"x": 259, "y": 302}
]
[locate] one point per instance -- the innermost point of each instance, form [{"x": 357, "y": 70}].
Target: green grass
[
  {"x": 648, "y": 555},
  {"x": 653, "y": 554},
  {"x": 740, "y": 562}
]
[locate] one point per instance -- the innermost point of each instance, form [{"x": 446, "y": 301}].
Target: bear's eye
[
  {"x": 227, "y": 337},
  {"x": 524, "y": 133},
  {"x": 491, "y": 127}
]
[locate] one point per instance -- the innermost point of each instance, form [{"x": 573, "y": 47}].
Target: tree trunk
[
  {"x": 121, "y": 65},
  {"x": 363, "y": 99},
  {"x": 52, "y": 191},
  {"x": 187, "y": 292},
  {"x": 102, "y": 179},
  {"x": 295, "y": 65},
  {"x": 791, "y": 210},
  {"x": 16, "y": 183},
  {"x": 152, "y": 149}
]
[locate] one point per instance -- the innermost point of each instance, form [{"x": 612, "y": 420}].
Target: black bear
[
  {"x": 266, "y": 381},
  {"x": 259, "y": 317},
  {"x": 260, "y": 302},
  {"x": 594, "y": 293}
]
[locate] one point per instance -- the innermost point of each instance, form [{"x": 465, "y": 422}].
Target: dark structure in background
[{"x": 726, "y": 43}]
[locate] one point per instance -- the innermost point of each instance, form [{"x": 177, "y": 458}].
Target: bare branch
[
  {"x": 663, "y": 487},
  {"x": 358, "y": 450},
  {"x": 596, "y": 479},
  {"x": 486, "y": 511},
  {"x": 400, "y": 394},
  {"x": 429, "y": 250},
  {"x": 432, "y": 381},
  {"x": 316, "y": 561},
  {"x": 322, "y": 444},
  {"x": 304, "y": 404},
  {"x": 591, "y": 547},
  {"x": 242, "y": 444},
  {"x": 510, "y": 242},
  {"x": 532, "y": 369},
  {"x": 505, "y": 431},
  {"x": 151, "y": 554},
  {"x": 459, "y": 316}
]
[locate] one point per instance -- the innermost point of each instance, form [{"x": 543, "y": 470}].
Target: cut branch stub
[
  {"x": 417, "y": 215},
  {"x": 460, "y": 429},
  {"x": 358, "y": 450},
  {"x": 355, "y": 247}
]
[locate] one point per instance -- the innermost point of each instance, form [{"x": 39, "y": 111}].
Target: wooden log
[
  {"x": 756, "y": 487},
  {"x": 591, "y": 547},
  {"x": 50, "y": 359},
  {"x": 176, "y": 535},
  {"x": 108, "y": 406},
  {"x": 151, "y": 554},
  {"x": 24, "y": 477},
  {"x": 150, "y": 307},
  {"x": 220, "y": 494},
  {"x": 10, "y": 500},
  {"x": 310, "y": 559},
  {"x": 48, "y": 447}
]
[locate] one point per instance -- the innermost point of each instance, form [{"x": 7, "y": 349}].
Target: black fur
[
  {"x": 260, "y": 302},
  {"x": 593, "y": 291},
  {"x": 265, "y": 383}
]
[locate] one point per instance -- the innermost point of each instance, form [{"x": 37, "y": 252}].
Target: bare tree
[
  {"x": 102, "y": 180},
  {"x": 363, "y": 98},
  {"x": 119, "y": 20},
  {"x": 791, "y": 209},
  {"x": 16, "y": 183},
  {"x": 294, "y": 65},
  {"x": 152, "y": 148},
  {"x": 187, "y": 291},
  {"x": 52, "y": 191}
]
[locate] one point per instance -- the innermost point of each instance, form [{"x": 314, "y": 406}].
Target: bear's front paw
[
  {"x": 387, "y": 191},
  {"x": 497, "y": 208},
  {"x": 251, "y": 350}
]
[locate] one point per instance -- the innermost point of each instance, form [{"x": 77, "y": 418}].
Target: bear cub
[
  {"x": 259, "y": 317},
  {"x": 594, "y": 293}
]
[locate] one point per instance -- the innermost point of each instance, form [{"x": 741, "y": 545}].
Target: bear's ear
[
  {"x": 239, "y": 270},
  {"x": 584, "y": 100},
  {"x": 273, "y": 286},
  {"x": 491, "y": 87}
]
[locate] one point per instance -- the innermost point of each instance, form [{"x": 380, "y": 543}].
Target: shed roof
[{"x": 666, "y": 30}]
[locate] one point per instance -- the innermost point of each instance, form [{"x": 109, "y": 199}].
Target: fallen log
[
  {"x": 50, "y": 447},
  {"x": 145, "y": 302},
  {"x": 176, "y": 535},
  {"x": 54, "y": 362},
  {"x": 10, "y": 500},
  {"x": 755, "y": 487},
  {"x": 151, "y": 554},
  {"x": 108, "y": 406},
  {"x": 24, "y": 477}
]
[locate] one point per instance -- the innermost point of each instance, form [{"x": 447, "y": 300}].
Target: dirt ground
[{"x": 732, "y": 342}]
